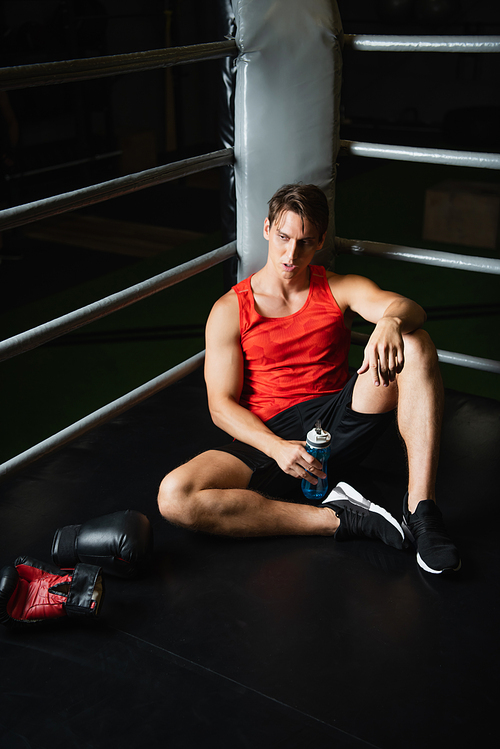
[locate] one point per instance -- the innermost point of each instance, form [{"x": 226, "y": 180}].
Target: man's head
[
  {"x": 307, "y": 201},
  {"x": 295, "y": 229}
]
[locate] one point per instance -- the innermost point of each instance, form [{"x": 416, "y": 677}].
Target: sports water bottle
[{"x": 318, "y": 444}]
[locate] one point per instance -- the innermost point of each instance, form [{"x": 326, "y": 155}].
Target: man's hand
[
  {"x": 293, "y": 458},
  {"x": 384, "y": 352},
  {"x": 393, "y": 316}
]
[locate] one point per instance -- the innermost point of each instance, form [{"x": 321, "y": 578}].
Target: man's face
[{"x": 291, "y": 245}]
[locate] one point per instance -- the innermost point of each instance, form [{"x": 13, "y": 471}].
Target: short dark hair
[{"x": 307, "y": 201}]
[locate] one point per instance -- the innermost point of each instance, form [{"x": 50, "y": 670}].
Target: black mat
[{"x": 281, "y": 642}]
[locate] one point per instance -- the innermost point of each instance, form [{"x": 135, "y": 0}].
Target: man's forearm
[
  {"x": 409, "y": 315},
  {"x": 384, "y": 352},
  {"x": 243, "y": 425}
]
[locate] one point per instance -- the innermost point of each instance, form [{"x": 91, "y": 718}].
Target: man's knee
[
  {"x": 420, "y": 349},
  {"x": 175, "y": 497},
  {"x": 196, "y": 490}
]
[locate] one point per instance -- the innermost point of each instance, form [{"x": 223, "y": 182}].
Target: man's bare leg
[
  {"x": 209, "y": 493},
  {"x": 420, "y": 415},
  {"x": 418, "y": 395}
]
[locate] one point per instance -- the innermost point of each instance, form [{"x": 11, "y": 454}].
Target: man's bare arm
[
  {"x": 393, "y": 315},
  {"x": 224, "y": 379}
]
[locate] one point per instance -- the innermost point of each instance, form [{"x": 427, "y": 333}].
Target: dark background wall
[
  {"x": 60, "y": 123},
  {"x": 433, "y": 99}
]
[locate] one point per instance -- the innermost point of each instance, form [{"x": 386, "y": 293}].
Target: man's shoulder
[
  {"x": 223, "y": 324},
  {"x": 349, "y": 279},
  {"x": 334, "y": 279},
  {"x": 227, "y": 302},
  {"x": 225, "y": 312},
  {"x": 347, "y": 288}
]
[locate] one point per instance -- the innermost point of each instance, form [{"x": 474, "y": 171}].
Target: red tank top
[{"x": 288, "y": 360}]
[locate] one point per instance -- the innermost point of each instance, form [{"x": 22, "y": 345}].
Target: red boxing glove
[{"x": 32, "y": 592}]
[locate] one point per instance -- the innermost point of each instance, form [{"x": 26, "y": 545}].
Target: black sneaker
[
  {"x": 360, "y": 517},
  {"x": 436, "y": 552}
]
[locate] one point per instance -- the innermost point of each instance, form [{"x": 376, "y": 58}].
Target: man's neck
[
  {"x": 278, "y": 297},
  {"x": 268, "y": 281}
]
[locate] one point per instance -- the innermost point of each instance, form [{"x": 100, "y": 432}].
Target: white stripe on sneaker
[
  {"x": 335, "y": 494},
  {"x": 358, "y": 499}
]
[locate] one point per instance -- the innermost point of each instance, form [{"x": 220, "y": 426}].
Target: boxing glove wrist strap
[
  {"x": 85, "y": 592},
  {"x": 64, "y": 545}
]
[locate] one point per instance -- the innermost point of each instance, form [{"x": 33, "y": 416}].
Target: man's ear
[
  {"x": 321, "y": 242},
  {"x": 267, "y": 226}
]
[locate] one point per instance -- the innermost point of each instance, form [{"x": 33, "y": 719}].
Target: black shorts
[{"x": 353, "y": 435}]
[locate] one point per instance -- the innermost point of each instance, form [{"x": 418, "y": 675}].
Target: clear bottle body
[{"x": 319, "y": 490}]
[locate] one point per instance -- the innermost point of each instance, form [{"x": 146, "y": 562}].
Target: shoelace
[
  {"x": 434, "y": 523},
  {"x": 353, "y": 520}
]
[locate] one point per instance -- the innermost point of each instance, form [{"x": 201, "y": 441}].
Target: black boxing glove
[
  {"x": 32, "y": 592},
  {"x": 121, "y": 543}
]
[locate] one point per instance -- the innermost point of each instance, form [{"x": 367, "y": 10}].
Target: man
[{"x": 276, "y": 362}]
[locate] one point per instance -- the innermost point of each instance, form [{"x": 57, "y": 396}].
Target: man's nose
[{"x": 291, "y": 249}]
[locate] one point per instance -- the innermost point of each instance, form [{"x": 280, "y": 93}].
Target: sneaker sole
[
  {"x": 358, "y": 499},
  {"x": 445, "y": 570},
  {"x": 420, "y": 561}
]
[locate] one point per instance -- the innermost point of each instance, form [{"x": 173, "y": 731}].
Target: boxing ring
[{"x": 291, "y": 641}]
